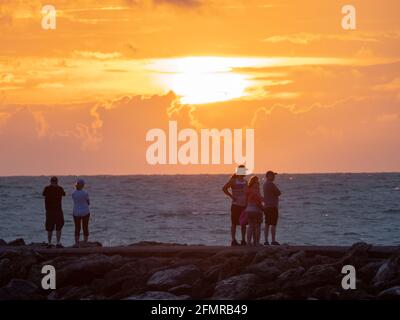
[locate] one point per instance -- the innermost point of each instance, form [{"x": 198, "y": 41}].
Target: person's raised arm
[{"x": 226, "y": 187}]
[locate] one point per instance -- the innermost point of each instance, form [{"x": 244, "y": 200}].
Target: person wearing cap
[
  {"x": 53, "y": 194},
  {"x": 81, "y": 211},
  {"x": 271, "y": 200},
  {"x": 238, "y": 185}
]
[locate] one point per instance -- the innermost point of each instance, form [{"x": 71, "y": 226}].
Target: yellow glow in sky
[{"x": 200, "y": 80}]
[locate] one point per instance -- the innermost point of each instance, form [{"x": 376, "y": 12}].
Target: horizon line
[{"x": 196, "y": 174}]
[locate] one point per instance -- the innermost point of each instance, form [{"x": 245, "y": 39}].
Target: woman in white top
[{"x": 81, "y": 211}]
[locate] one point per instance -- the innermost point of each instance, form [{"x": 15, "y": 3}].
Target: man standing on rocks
[
  {"x": 238, "y": 185},
  {"x": 53, "y": 194},
  {"x": 271, "y": 200}
]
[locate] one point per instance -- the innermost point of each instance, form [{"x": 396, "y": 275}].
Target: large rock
[
  {"x": 239, "y": 287},
  {"x": 80, "y": 270},
  {"x": 168, "y": 278},
  {"x": 266, "y": 269},
  {"x": 2, "y": 243},
  {"x": 157, "y": 295},
  {"x": 298, "y": 257},
  {"x": 17, "y": 242},
  {"x": 7, "y": 271},
  {"x": 19, "y": 289},
  {"x": 317, "y": 276},
  {"x": 289, "y": 277},
  {"x": 356, "y": 256},
  {"x": 16, "y": 265},
  {"x": 391, "y": 293},
  {"x": 368, "y": 271},
  {"x": 272, "y": 252},
  {"x": 202, "y": 289},
  {"x": 388, "y": 273},
  {"x": 128, "y": 279},
  {"x": 229, "y": 268}
]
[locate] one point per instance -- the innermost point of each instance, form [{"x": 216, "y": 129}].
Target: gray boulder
[
  {"x": 83, "y": 270},
  {"x": 239, "y": 287},
  {"x": 289, "y": 277},
  {"x": 387, "y": 273},
  {"x": 391, "y": 293},
  {"x": 266, "y": 269},
  {"x": 316, "y": 276},
  {"x": 169, "y": 278},
  {"x": 17, "y": 242}
]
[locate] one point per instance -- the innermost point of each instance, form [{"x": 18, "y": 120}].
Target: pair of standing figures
[
  {"x": 248, "y": 207},
  {"x": 53, "y": 195}
]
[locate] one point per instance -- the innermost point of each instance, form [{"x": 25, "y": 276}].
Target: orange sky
[{"x": 80, "y": 99}]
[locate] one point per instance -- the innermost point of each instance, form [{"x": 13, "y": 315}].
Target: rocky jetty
[{"x": 169, "y": 272}]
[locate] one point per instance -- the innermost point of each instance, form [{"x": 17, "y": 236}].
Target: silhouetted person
[
  {"x": 53, "y": 194},
  {"x": 271, "y": 200},
  {"x": 81, "y": 211},
  {"x": 254, "y": 211},
  {"x": 238, "y": 185}
]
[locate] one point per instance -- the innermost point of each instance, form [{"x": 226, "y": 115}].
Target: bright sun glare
[{"x": 199, "y": 80}]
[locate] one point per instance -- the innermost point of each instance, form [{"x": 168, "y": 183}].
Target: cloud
[
  {"x": 306, "y": 38},
  {"x": 392, "y": 86},
  {"x": 96, "y": 55},
  {"x": 179, "y": 3}
]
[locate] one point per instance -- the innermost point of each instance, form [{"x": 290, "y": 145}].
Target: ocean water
[{"x": 318, "y": 209}]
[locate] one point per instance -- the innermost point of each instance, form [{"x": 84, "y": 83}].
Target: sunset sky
[{"x": 80, "y": 99}]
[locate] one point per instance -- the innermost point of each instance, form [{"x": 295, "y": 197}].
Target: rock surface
[{"x": 164, "y": 271}]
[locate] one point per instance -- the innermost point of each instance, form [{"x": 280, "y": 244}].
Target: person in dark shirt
[
  {"x": 271, "y": 200},
  {"x": 53, "y": 194}
]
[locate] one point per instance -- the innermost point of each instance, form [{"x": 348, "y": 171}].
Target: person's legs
[
  {"x": 274, "y": 222},
  {"x": 273, "y": 233},
  {"x": 266, "y": 231},
  {"x": 235, "y": 214},
  {"x": 85, "y": 226},
  {"x": 77, "y": 222},
  {"x": 233, "y": 232},
  {"x": 49, "y": 236},
  {"x": 249, "y": 233},
  {"x": 58, "y": 235},
  {"x": 257, "y": 234},
  {"x": 243, "y": 231},
  {"x": 49, "y": 225}
]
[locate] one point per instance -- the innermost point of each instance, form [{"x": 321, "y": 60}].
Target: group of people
[
  {"x": 248, "y": 207},
  {"x": 53, "y": 195}
]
